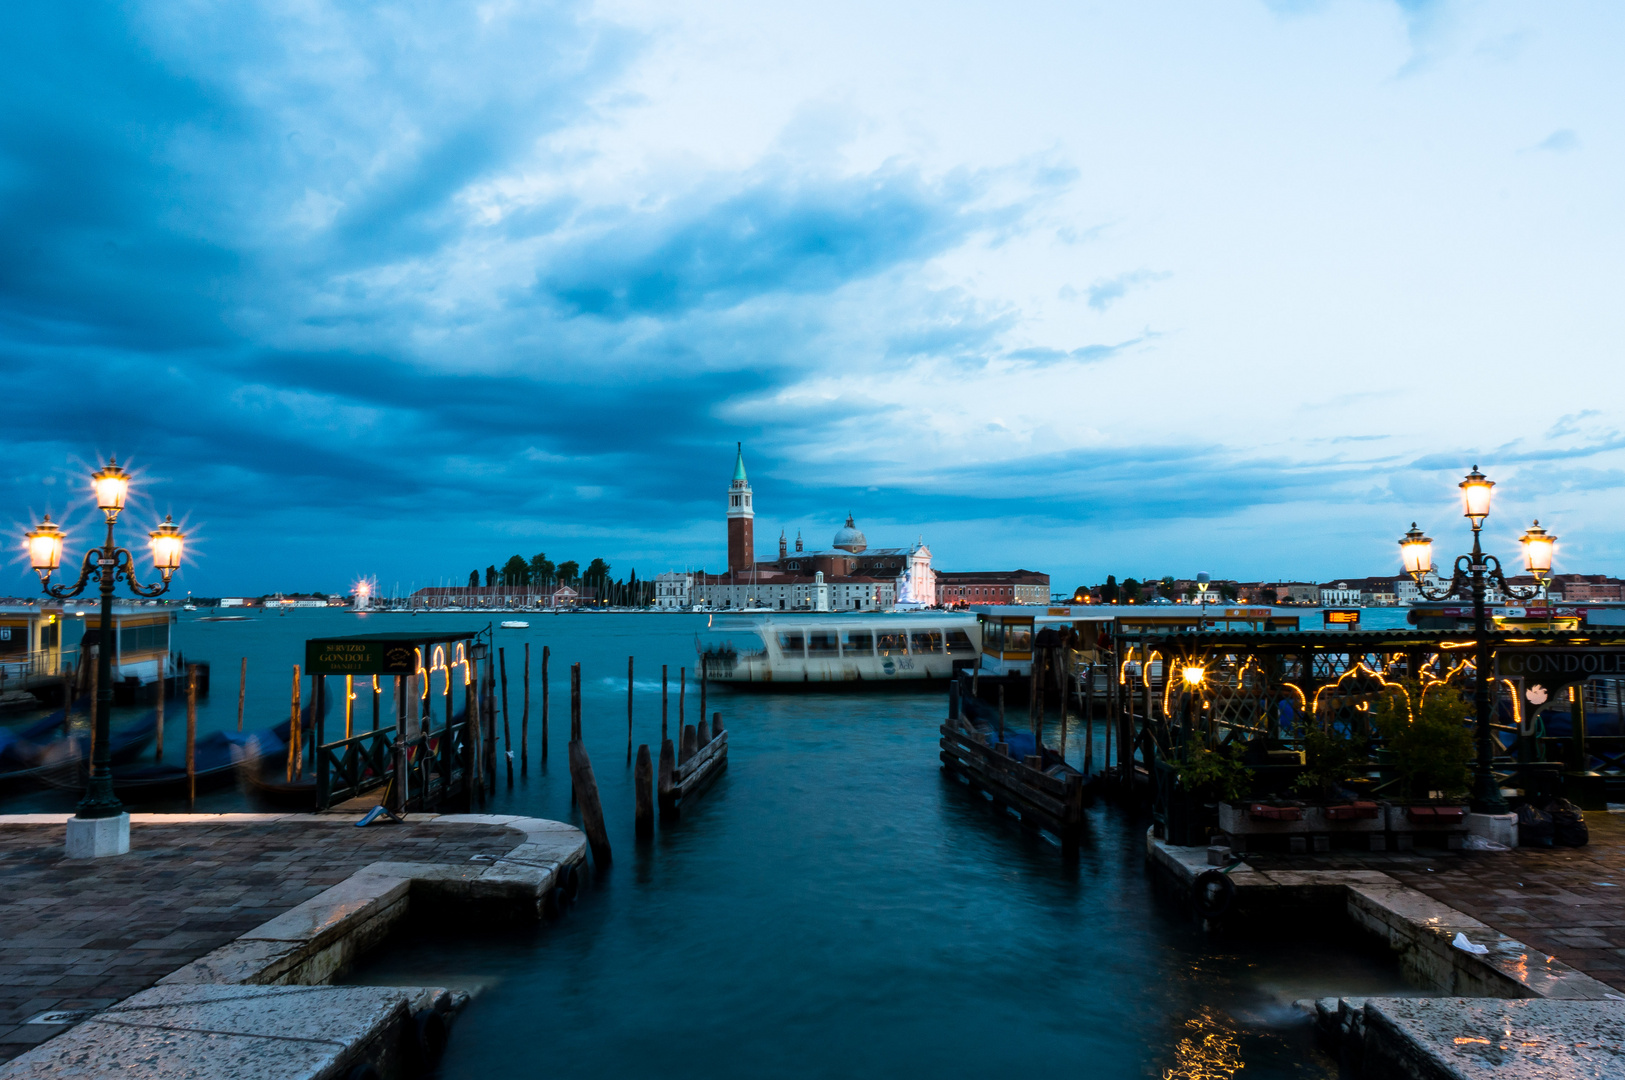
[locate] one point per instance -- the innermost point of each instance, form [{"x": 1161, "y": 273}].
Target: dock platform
[{"x": 236, "y": 900}]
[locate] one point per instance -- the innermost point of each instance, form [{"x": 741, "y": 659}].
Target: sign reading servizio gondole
[{"x": 358, "y": 658}]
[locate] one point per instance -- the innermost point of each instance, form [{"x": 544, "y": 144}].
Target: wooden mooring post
[
  {"x": 507, "y": 731},
  {"x": 191, "y": 736},
  {"x": 544, "y": 704},
  {"x": 158, "y": 730},
  {"x": 524, "y": 720},
  {"x": 582, "y": 781},
  {"x": 643, "y": 789}
]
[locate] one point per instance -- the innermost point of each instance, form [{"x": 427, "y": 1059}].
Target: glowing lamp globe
[
  {"x": 1416, "y": 553},
  {"x": 1537, "y": 550},
  {"x": 45, "y": 546},
  {"x": 167, "y": 541},
  {"x": 1193, "y": 676},
  {"x": 112, "y": 485},
  {"x": 1475, "y": 496}
]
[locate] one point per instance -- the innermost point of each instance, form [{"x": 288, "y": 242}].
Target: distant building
[
  {"x": 673, "y": 591},
  {"x": 1583, "y": 588},
  {"x": 963, "y": 588},
  {"x": 849, "y": 576},
  {"x": 1339, "y": 594},
  {"x": 501, "y": 597}
]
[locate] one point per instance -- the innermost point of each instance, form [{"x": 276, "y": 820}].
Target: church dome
[{"x": 850, "y": 539}]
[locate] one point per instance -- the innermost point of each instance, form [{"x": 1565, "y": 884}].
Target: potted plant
[{"x": 1427, "y": 746}]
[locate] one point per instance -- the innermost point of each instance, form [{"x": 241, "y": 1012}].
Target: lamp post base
[{"x": 92, "y": 838}]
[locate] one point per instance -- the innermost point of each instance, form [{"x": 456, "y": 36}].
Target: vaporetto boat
[{"x": 833, "y": 649}]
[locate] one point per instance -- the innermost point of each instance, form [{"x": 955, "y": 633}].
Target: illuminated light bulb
[
  {"x": 1475, "y": 496},
  {"x": 167, "y": 542},
  {"x": 112, "y": 485},
  {"x": 45, "y": 546},
  {"x": 1416, "y": 553}
]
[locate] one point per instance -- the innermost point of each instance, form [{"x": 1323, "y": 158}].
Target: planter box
[
  {"x": 1434, "y": 823},
  {"x": 1352, "y": 812}
]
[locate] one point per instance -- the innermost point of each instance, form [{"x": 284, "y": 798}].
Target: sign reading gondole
[{"x": 1558, "y": 667}]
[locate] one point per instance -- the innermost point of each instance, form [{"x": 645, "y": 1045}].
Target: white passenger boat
[
  {"x": 515, "y": 624},
  {"x": 842, "y": 649}
]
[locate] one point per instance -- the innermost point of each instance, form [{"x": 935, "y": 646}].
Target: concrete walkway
[{"x": 77, "y": 936}]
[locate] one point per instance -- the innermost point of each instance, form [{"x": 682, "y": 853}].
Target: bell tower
[{"x": 741, "y": 519}]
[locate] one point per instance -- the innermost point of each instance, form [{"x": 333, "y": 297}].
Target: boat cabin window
[
  {"x": 891, "y": 643},
  {"x": 959, "y": 642},
  {"x": 927, "y": 641},
  {"x": 858, "y": 643},
  {"x": 151, "y": 637},
  {"x": 1018, "y": 637},
  {"x": 790, "y": 642},
  {"x": 820, "y": 643}
]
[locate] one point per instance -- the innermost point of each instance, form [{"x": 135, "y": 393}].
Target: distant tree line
[
  {"x": 542, "y": 575},
  {"x": 1135, "y": 591}
]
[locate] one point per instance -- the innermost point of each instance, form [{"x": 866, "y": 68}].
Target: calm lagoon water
[{"x": 832, "y": 907}]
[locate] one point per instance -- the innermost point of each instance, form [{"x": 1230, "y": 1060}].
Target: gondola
[{"x": 26, "y": 758}]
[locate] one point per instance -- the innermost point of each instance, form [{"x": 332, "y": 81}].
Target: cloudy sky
[{"x": 1144, "y": 288}]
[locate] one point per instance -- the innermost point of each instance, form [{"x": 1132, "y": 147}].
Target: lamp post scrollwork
[
  {"x": 106, "y": 565},
  {"x": 1470, "y": 580}
]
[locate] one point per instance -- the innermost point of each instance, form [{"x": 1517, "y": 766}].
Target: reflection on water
[
  {"x": 832, "y": 907},
  {"x": 1208, "y": 1049}
]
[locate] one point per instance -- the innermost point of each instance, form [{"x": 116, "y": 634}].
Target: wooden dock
[
  {"x": 704, "y": 756},
  {"x": 1045, "y": 792}
]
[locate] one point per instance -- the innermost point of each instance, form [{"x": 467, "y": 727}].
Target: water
[{"x": 832, "y": 906}]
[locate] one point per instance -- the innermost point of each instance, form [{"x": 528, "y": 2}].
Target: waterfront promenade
[
  {"x": 76, "y": 936},
  {"x": 1565, "y": 902}
]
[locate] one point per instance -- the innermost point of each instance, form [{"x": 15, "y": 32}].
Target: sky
[{"x": 399, "y": 290}]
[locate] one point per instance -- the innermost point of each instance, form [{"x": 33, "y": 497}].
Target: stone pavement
[
  {"x": 1567, "y": 902},
  {"x": 79, "y": 935}
]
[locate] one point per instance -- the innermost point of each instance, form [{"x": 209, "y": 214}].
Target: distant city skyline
[{"x": 1231, "y": 288}]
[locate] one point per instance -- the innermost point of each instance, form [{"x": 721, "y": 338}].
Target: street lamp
[
  {"x": 88, "y": 833},
  {"x": 1470, "y": 580}
]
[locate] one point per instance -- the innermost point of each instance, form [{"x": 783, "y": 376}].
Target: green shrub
[
  {"x": 1331, "y": 757},
  {"x": 1432, "y": 751},
  {"x": 1217, "y": 774}
]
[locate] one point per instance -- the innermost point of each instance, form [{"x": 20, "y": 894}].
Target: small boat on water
[
  {"x": 30, "y": 755},
  {"x": 846, "y": 650},
  {"x": 515, "y": 624}
]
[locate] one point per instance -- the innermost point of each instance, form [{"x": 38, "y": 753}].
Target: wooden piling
[
  {"x": 242, "y": 691},
  {"x": 643, "y": 787},
  {"x": 682, "y": 696},
  {"x": 703, "y": 680},
  {"x": 524, "y": 720},
  {"x": 704, "y": 736},
  {"x": 628, "y": 708},
  {"x": 544, "y": 703},
  {"x": 375, "y": 693},
  {"x": 668, "y": 766},
  {"x": 191, "y": 736},
  {"x": 507, "y": 732},
  {"x": 586, "y": 786},
  {"x": 1064, "y": 703},
  {"x": 575, "y": 728},
  {"x": 293, "y": 725},
  {"x": 716, "y": 724},
  {"x": 1089, "y": 722},
  {"x": 663, "y": 703},
  {"x": 158, "y": 728},
  {"x": 690, "y": 743},
  {"x": 349, "y": 706}
]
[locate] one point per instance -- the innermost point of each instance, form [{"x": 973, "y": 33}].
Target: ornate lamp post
[
  {"x": 1470, "y": 581},
  {"x": 101, "y": 827}
]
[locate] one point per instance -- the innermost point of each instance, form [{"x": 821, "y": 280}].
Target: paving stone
[{"x": 113, "y": 927}]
